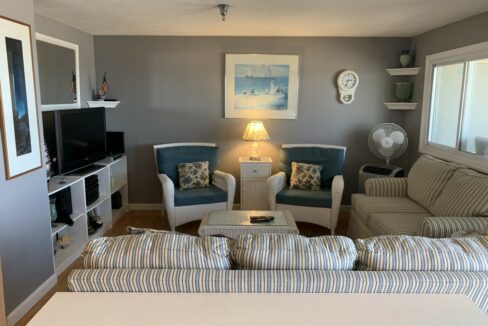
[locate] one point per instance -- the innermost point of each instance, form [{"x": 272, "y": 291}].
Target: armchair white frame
[
  {"x": 326, "y": 217},
  {"x": 178, "y": 215}
]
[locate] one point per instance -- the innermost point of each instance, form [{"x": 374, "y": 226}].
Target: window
[{"x": 455, "y": 107}]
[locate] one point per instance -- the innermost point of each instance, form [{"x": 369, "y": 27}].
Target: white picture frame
[
  {"x": 18, "y": 104},
  {"x": 75, "y": 48},
  {"x": 261, "y": 86}
]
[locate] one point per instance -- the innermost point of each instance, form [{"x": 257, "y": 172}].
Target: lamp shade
[{"x": 255, "y": 131}]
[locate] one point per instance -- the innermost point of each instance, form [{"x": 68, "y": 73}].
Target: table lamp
[{"x": 255, "y": 132}]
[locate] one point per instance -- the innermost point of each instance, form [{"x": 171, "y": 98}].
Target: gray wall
[
  {"x": 25, "y": 234},
  {"x": 172, "y": 90},
  {"x": 87, "y": 58},
  {"x": 56, "y": 66},
  {"x": 463, "y": 33}
]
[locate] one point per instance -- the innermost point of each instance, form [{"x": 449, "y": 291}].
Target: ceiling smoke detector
[{"x": 223, "y": 10}]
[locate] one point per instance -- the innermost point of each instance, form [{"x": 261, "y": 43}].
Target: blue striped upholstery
[
  {"x": 407, "y": 253},
  {"x": 165, "y": 250},
  {"x": 364, "y": 206},
  {"x": 465, "y": 194},
  {"x": 386, "y": 187},
  {"x": 443, "y": 227},
  {"x": 473, "y": 285},
  {"x": 388, "y": 223},
  {"x": 287, "y": 251},
  {"x": 427, "y": 178}
]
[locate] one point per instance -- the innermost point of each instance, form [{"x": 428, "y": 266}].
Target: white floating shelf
[
  {"x": 403, "y": 71},
  {"x": 105, "y": 104},
  {"x": 401, "y": 106}
]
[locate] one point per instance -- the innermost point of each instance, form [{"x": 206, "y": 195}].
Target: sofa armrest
[
  {"x": 227, "y": 183},
  {"x": 386, "y": 187},
  {"x": 275, "y": 184},
  {"x": 443, "y": 227}
]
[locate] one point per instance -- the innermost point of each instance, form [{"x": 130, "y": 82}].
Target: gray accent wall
[
  {"x": 172, "y": 90},
  {"x": 462, "y": 33},
  {"x": 25, "y": 234},
  {"x": 87, "y": 57}
]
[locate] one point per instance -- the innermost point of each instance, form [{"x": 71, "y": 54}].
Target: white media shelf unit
[{"x": 112, "y": 177}]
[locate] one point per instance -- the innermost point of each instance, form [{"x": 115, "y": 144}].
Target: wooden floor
[{"x": 154, "y": 220}]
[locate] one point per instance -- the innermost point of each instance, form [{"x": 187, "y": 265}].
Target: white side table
[{"x": 253, "y": 183}]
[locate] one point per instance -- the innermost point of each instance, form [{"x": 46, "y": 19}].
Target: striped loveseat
[
  {"x": 275, "y": 263},
  {"x": 437, "y": 199}
]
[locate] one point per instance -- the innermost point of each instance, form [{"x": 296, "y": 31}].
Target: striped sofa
[
  {"x": 437, "y": 199},
  {"x": 276, "y": 263}
]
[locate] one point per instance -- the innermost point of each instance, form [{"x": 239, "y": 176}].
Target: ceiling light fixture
[{"x": 223, "y": 10}]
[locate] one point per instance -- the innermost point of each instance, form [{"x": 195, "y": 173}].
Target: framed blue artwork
[
  {"x": 18, "y": 106},
  {"x": 261, "y": 86}
]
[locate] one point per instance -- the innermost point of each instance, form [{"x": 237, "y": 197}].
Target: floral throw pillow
[
  {"x": 305, "y": 176},
  {"x": 193, "y": 175}
]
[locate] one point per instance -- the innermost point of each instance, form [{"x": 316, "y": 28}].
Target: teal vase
[{"x": 403, "y": 91}]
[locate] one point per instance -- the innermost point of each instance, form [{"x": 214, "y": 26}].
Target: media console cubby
[
  {"x": 118, "y": 182},
  {"x": 112, "y": 177}
]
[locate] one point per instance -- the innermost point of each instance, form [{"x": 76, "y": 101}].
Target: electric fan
[{"x": 388, "y": 141}]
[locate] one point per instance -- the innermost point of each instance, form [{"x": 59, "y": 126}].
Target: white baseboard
[{"x": 22, "y": 309}]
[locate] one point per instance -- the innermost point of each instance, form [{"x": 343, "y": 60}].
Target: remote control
[{"x": 261, "y": 219}]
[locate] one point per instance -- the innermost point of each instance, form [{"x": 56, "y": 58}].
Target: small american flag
[
  {"x": 73, "y": 82},
  {"x": 104, "y": 87}
]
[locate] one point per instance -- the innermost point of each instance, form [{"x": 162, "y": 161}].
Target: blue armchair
[
  {"x": 318, "y": 207},
  {"x": 183, "y": 206}
]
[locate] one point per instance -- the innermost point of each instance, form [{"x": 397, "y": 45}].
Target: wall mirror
[{"x": 59, "y": 72}]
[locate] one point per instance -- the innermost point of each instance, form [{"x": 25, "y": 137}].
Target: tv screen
[
  {"x": 81, "y": 138},
  {"x": 115, "y": 143}
]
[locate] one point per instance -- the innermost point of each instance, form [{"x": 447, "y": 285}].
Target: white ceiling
[{"x": 259, "y": 17}]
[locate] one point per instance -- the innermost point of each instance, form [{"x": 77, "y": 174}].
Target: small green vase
[
  {"x": 403, "y": 91},
  {"x": 405, "y": 60}
]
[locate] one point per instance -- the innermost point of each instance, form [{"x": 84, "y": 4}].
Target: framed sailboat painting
[
  {"x": 18, "y": 106},
  {"x": 261, "y": 86}
]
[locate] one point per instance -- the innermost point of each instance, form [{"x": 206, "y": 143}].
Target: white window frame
[{"x": 460, "y": 55}]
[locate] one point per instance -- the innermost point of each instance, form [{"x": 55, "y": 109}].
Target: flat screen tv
[{"x": 81, "y": 138}]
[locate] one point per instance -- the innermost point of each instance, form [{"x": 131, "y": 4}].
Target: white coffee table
[
  {"x": 284, "y": 309},
  {"x": 233, "y": 223}
]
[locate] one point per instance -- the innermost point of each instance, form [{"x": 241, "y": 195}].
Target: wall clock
[{"x": 347, "y": 82}]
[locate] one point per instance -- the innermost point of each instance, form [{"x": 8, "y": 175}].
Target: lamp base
[{"x": 254, "y": 152}]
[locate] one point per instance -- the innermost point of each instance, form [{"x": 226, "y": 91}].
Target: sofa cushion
[
  {"x": 305, "y": 176},
  {"x": 426, "y": 179},
  {"x": 363, "y": 206},
  {"x": 465, "y": 194},
  {"x": 310, "y": 198},
  {"x": 395, "y": 223},
  {"x": 168, "y": 158},
  {"x": 199, "y": 196},
  {"x": 295, "y": 252},
  {"x": 407, "y": 253},
  {"x": 193, "y": 175},
  {"x": 331, "y": 160},
  {"x": 164, "y": 250},
  {"x": 444, "y": 227}
]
